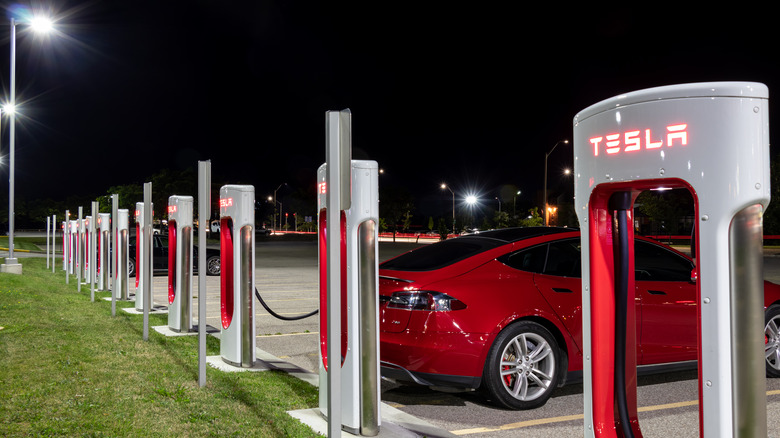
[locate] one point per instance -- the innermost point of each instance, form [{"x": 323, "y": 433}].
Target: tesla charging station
[
  {"x": 712, "y": 139},
  {"x": 237, "y": 274},
  {"x": 122, "y": 279},
  {"x": 140, "y": 262},
  {"x": 104, "y": 222},
  {"x": 180, "y": 263},
  {"x": 357, "y": 206}
]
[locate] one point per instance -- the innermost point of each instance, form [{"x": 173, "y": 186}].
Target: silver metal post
[
  {"x": 47, "y": 242},
  {"x": 53, "y": 242},
  {"x": 66, "y": 249},
  {"x": 147, "y": 256},
  {"x": 113, "y": 243},
  {"x": 338, "y": 170},
  {"x": 92, "y": 247},
  {"x": 204, "y": 218},
  {"x": 79, "y": 249}
]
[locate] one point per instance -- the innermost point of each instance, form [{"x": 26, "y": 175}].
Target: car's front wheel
[
  {"x": 213, "y": 265},
  {"x": 522, "y": 367},
  {"x": 130, "y": 268},
  {"x": 772, "y": 340}
]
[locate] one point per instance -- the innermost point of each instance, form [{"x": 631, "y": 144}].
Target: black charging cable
[
  {"x": 285, "y": 318},
  {"x": 620, "y": 203}
]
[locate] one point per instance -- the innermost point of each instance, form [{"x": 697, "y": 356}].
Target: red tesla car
[{"x": 501, "y": 311}]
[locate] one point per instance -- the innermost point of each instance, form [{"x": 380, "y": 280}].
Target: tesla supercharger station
[
  {"x": 140, "y": 262},
  {"x": 122, "y": 278},
  {"x": 712, "y": 139},
  {"x": 104, "y": 222},
  {"x": 180, "y": 263},
  {"x": 237, "y": 275},
  {"x": 357, "y": 232}
]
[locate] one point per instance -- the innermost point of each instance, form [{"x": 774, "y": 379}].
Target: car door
[
  {"x": 668, "y": 330},
  {"x": 160, "y": 250},
  {"x": 560, "y": 282}
]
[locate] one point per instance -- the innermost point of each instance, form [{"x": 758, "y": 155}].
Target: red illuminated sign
[
  {"x": 321, "y": 188},
  {"x": 171, "y": 209},
  {"x": 137, "y": 213},
  {"x": 633, "y": 141},
  {"x": 225, "y": 202}
]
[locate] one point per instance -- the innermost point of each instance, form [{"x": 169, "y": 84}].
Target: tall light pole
[
  {"x": 544, "y": 198},
  {"x": 37, "y": 24},
  {"x": 277, "y": 189},
  {"x": 445, "y": 186},
  {"x": 514, "y": 204}
]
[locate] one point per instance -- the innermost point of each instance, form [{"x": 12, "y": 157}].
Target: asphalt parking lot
[{"x": 286, "y": 278}]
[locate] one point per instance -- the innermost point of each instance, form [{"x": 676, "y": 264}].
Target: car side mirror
[{"x": 694, "y": 275}]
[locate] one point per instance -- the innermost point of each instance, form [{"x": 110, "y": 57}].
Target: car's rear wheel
[
  {"x": 522, "y": 368},
  {"x": 131, "y": 268},
  {"x": 213, "y": 265},
  {"x": 772, "y": 340}
]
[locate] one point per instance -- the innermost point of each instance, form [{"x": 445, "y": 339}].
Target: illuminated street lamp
[
  {"x": 544, "y": 199},
  {"x": 38, "y": 24},
  {"x": 273, "y": 227},
  {"x": 445, "y": 186}
]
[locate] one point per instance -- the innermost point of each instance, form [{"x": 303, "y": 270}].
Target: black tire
[
  {"x": 525, "y": 380},
  {"x": 772, "y": 340},
  {"x": 213, "y": 265},
  {"x": 130, "y": 267}
]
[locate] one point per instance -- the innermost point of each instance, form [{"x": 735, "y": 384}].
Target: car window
[
  {"x": 656, "y": 263},
  {"x": 529, "y": 259},
  {"x": 563, "y": 259},
  {"x": 441, "y": 254}
]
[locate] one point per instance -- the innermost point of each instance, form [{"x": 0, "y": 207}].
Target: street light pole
[
  {"x": 11, "y": 264},
  {"x": 11, "y": 260},
  {"x": 445, "y": 186},
  {"x": 280, "y": 219},
  {"x": 544, "y": 199}
]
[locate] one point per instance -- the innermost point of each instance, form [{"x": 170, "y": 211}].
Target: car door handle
[
  {"x": 656, "y": 292},
  {"x": 562, "y": 290}
]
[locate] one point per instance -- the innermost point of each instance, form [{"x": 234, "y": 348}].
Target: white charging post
[
  {"x": 713, "y": 140},
  {"x": 122, "y": 249},
  {"x": 348, "y": 197},
  {"x": 103, "y": 251},
  {"x": 141, "y": 262},
  {"x": 237, "y": 275},
  {"x": 180, "y": 263}
]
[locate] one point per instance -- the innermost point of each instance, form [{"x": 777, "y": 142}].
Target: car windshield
[{"x": 441, "y": 254}]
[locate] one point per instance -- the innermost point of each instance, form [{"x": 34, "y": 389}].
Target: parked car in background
[
  {"x": 502, "y": 311},
  {"x": 160, "y": 256}
]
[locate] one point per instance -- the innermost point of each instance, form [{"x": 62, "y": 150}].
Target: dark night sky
[{"x": 472, "y": 95}]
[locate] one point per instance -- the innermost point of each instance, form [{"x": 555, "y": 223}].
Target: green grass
[
  {"x": 68, "y": 368},
  {"x": 25, "y": 243}
]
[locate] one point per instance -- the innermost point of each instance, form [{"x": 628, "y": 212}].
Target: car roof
[{"x": 510, "y": 235}]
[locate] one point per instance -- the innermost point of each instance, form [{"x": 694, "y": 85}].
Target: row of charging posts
[
  {"x": 713, "y": 140},
  {"x": 348, "y": 267},
  {"x": 86, "y": 251}
]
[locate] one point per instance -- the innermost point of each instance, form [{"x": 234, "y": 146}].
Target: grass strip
[{"x": 67, "y": 367}]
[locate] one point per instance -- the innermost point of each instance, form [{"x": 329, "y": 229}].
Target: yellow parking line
[
  {"x": 522, "y": 424},
  {"x": 518, "y": 425}
]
